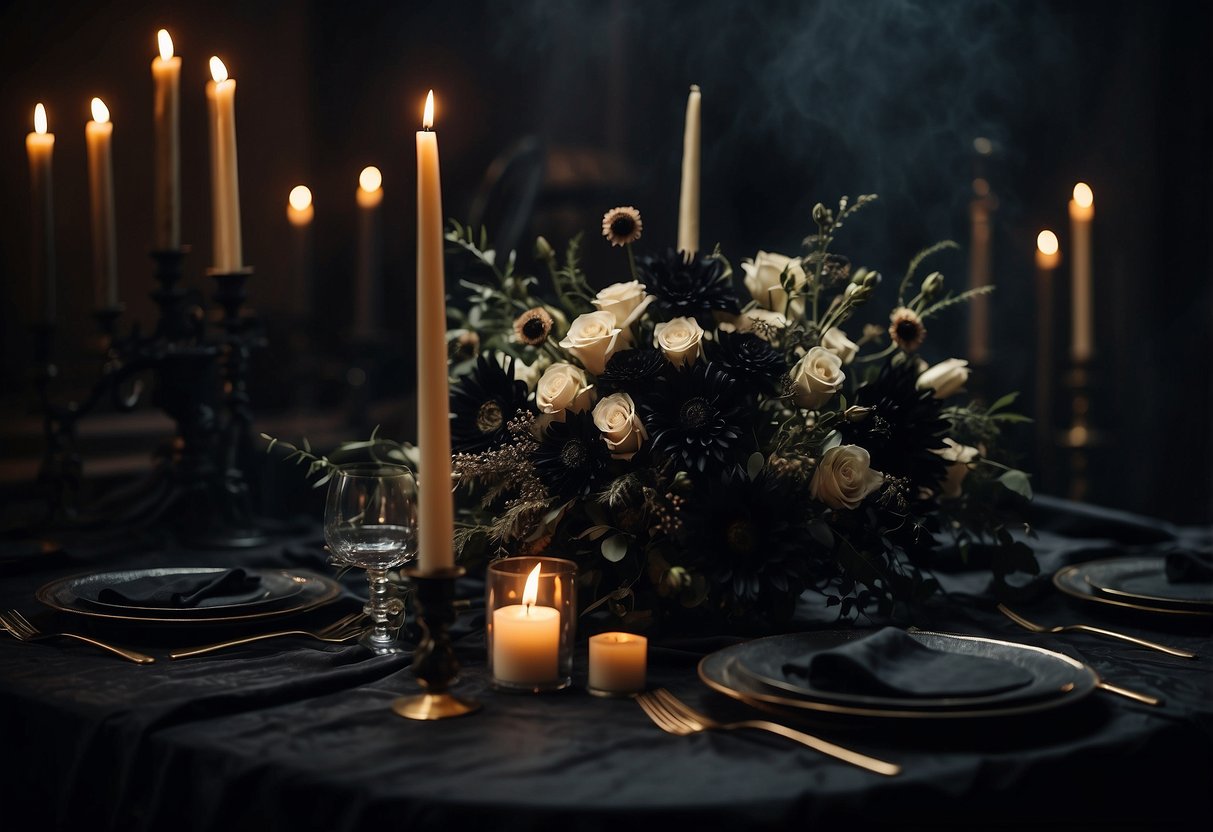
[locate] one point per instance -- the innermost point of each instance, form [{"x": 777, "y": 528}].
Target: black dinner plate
[
  {"x": 1084, "y": 581},
  {"x": 1144, "y": 580},
  {"x": 273, "y": 589}
]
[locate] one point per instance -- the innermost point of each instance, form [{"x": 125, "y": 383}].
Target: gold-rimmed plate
[
  {"x": 273, "y": 589},
  {"x": 1059, "y": 680},
  {"x": 1087, "y": 582},
  {"x": 313, "y": 591}
]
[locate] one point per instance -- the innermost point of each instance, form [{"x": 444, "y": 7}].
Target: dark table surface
[{"x": 294, "y": 734}]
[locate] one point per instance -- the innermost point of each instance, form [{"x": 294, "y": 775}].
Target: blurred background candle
[
  {"x": 98, "y": 135},
  {"x": 688, "y": 199},
  {"x": 1082, "y": 212},
  {"x": 1048, "y": 256},
  {"x": 299, "y": 213},
  {"x": 367, "y": 277},
  {"x": 526, "y": 638},
  {"x": 225, "y": 185},
  {"x": 617, "y": 663},
  {"x": 166, "y": 75},
  {"x": 40, "y": 147}
]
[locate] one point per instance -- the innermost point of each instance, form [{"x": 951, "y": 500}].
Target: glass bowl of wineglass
[{"x": 370, "y": 521}]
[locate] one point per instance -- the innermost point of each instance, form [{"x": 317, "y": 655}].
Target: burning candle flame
[
  {"x": 101, "y": 113},
  {"x": 218, "y": 70},
  {"x": 530, "y": 593},
  {"x": 427, "y": 119},
  {"x": 1083, "y": 196},
  {"x": 39, "y": 118},
  {"x": 370, "y": 179},
  {"x": 166, "y": 44},
  {"x": 1046, "y": 241},
  {"x": 300, "y": 198}
]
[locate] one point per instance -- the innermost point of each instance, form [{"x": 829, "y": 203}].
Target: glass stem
[{"x": 378, "y": 607}]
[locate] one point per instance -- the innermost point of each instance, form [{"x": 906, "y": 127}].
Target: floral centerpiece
[{"x": 719, "y": 451}]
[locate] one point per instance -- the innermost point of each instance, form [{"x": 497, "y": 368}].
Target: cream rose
[
  {"x": 623, "y": 300},
  {"x": 616, "y": 417},
  {"x": 762, "y": 278},
  {"x": 945, "y": 378},
  {"x": 816, "y": 378},
  {"x": 680, "y": 339},
  {"x": 563, "y": 387},
  {"x": 844, "y": 477},
  {"x": 593, "y": 338},
  {"x": 959, "y": 456},
  {"x": 837, "y": 342}
]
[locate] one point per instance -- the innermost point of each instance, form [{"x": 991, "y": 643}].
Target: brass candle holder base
[{"x": 434, "y": 663}]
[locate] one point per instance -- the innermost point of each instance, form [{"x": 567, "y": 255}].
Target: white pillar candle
[
  {"x": 436, "y": 509},
  {"x": 166, "y": 75},
  {"x": 688, "y": 200},
  {"x": 618, "y": 662},
  {"x": 526, "y": 638},
  {"x": 98, "y": 135},
  {"x": 40, "y": 147},
  {"x": 225, "y": 185},
  {"x": 366, "y": 286},
  {"x": 1082, "y": 212}
]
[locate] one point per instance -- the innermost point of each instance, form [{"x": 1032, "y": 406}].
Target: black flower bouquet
[{"x": 700, "y": 452}]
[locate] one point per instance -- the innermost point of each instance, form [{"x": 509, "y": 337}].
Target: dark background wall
[{"x": 803, "y": 101}]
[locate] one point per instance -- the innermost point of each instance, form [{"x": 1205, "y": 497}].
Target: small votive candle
[
  {"x": 531, "y": 605},
  {"x": 617, "y": 664}
]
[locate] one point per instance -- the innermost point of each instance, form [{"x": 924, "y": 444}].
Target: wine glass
[{"x": 370, "y": 521}]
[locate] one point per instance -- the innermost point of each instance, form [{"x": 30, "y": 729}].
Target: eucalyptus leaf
[
  {"x": 754, "y": 465},
  {"x": 615, "y": 547},
  {"x": 1005, "y": 401},
  {"x": 1017, "y": 481}
]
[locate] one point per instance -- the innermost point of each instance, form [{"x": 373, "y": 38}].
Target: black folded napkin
[
  {"x": 183, "y": 590},
  {"x": 1190, "y": 567},
  {"x": 891, "y": 663}
]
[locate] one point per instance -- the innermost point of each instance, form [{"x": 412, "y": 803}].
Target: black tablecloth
[{"x": 297, "y": 735}]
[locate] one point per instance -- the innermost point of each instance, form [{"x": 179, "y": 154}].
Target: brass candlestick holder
[
  {"x": 434, "y": 663},
  {"x": 1080, "y": 437}
]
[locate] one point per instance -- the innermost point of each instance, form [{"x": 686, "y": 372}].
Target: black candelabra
[{"x": 199, "y": 378}]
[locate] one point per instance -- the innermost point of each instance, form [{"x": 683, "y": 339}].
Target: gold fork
[
  {"x": 675, "y": 717},
  {"x": 340, "y": 631},
  {"x": 22, "y": 629},
  {"x": 1083, "y": 628}
]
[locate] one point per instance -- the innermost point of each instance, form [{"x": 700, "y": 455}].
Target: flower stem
[{"x": 631, "y": 260}]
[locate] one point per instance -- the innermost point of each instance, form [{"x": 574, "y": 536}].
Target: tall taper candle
[
  {"x": 98, "y": 134},
  {"x": 225, "y": 185},
  {"x": 299, "y": 213},
  {"x": 436, "y": 511},
  {"x": 1082, "y": 212},
  {"x": 366, "y": 288},
  {"x": 980, "y": 209},
  {"x": 1047, "y": 258},
  {"x": 688, "y": 199},
  {"x": 166, "y": 73},
  {"x": 40, "y": 147}
]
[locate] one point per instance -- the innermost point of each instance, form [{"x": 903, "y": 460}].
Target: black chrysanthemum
[
  {"x": 905, "y": 424},
  {"x": 697, "y": 418},
  {"x": 482, "y": 404},
  {"x": 755, "y": 364},
  {"x": 633, "y": 369},
  {"x": 572, "y": 456},
  {"x": 687, "y": 288}
]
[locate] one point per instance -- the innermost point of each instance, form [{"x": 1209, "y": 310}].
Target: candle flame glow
[
  {"x": 39, "y": 118},
  {"x": 218, "y": 70},
  {"x": 370, "y": 179},
  {"x": 530, "y": 593},
  {"x": 427, "y": 119},
  {"x": 166, "y": 44},
  {"x": 1083, "y": 195},
  {"x": 1046, "y": 241},
  {"x": 300, "y": 198},
  {"x": 101, "y": 113}
]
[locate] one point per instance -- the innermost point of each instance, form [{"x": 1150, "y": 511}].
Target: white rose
[
  {"x": 623, "y": 300},
  {"x": 837, "y": 342},
  {"x": 959, "y": 456},
  {"x": 945, "y": 378},
  {"x": 679, "y": 339},
  {"x": 762, "y": 278},
  {"x": 816, "y": 378},
  {"x": 593, "y": 338},
  {"x": 616, "y": 417},
  {"x": 844, "y": 477},
  {"x": 774, "y": 320},
  {"x": 563, "y": 387}
]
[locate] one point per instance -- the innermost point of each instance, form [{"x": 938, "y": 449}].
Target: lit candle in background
[
  {"x": 366, "y": 289},
  {"x": 1082, "y": 212},
  {"x": 299, "y": 213},
  {"x": 436, "y": 515},
  {"x": 526, "y": 638},
  {"x": 688, "y": 200},
  {"x": 40, "y": 147},
  {"x": 166, "y": 74},
  {"x": 98, "y": 135},
  {"x": 1048, "y": 257},
  {"x": 225, "y": 185},
  {"x": 617, "y": 663}
]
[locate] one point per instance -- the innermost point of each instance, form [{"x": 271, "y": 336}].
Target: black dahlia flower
[
  {"x": 685, "y": 288},
  {"x": 697, "y": 418},
  {"x": 482, "y": 404},
  {"x": 572, "y": 456},
  {"x": 751, "y": 361},
  {"x": 633, "y": 369}
]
